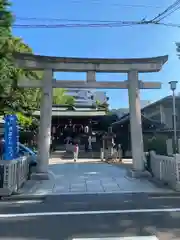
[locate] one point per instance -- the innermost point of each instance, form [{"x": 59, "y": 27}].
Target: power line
[
  {"x": 85, "y": 25},
  {"x": 165, "y": 11},
  {"x": 176, "y": 25},
  {"x": 117, "y": 24},
  {"x": 88, "y": 21},
  {"x": 112, "y": 4},
  {"x": 96, "y": 22},
  {"x": 88, "y": 25},
  {"x": 65, "y": 20},
  {"x": 169, "y": 10}
]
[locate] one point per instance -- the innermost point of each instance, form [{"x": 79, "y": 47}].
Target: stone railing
[
  {"x": 166, "y": 169},
  {"x": 12, "y": 175},
  {"x": 23, "y": 170},
  {"x": 111, "y": 153}
]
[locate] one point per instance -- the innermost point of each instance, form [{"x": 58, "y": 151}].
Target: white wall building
[
  {"x": 123, "y": 111},
  {"x": 145, "y": 103},
  {"x": 87, "y": 97}
]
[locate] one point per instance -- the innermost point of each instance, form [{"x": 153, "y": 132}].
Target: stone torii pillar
[
  {"x": 90, "y": 65},
  {"x": 45, "y": 124},
  {"x": 135, "y": 121}
]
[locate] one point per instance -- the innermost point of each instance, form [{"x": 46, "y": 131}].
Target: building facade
[
  {"x": 162, "y": 111},
  {"x": 145, "y": 103},
  {"x": 123, "y": 111},
  {"x": 87, "y": 97}
]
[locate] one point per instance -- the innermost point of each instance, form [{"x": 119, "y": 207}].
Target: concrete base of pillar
[
  {"x": 40, "y": 176},
  {"x": 177, "y": 187},
  {"x": 138, "y": 174}
]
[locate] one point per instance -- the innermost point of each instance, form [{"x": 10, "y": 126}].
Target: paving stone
[
  {"x": 90, "y": 178},
  {"x": 77, "y": 189},
  {"x": 95, "y": 189},
  {"x": 61, "y": 189}
]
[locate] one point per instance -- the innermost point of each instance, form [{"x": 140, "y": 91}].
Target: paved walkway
[{"x": 84, "y": 178}]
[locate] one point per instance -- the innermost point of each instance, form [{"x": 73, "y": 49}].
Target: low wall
[{"x": 166, "y": 169}]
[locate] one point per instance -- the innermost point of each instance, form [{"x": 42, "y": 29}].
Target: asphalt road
[{"x": 87, "y": 216}]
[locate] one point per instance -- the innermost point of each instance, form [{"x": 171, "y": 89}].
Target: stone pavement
[{"x": 89, "y": 178}]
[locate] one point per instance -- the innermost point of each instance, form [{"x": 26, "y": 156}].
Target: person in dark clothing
[
  {"x": 148, "y": 164},
  {"x": 86, "y": 143}
]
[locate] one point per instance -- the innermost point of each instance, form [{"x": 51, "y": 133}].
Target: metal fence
[{"x": 13, "y": 174}]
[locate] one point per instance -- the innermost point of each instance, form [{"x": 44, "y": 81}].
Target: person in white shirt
[{"x": 76, "y": 152}]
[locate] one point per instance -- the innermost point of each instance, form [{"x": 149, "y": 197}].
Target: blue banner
[{"x": 11, "y": 148}]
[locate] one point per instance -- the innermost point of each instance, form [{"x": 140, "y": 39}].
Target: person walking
[{"x": 76, "y": 152}]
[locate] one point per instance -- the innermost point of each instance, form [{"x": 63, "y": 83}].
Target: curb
[
  {"x": 24, "y": 197},
  {"x": 45, "y": 197}
]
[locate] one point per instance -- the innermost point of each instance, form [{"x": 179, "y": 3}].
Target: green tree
[
  {"x": 5, "y": 35},
  {"x": 60, "y": 97},
  {"x": 104, "y": 106},
  {"x": 12, "y": 98}
]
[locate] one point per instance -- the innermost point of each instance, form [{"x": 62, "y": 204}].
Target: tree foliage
[
  {"x": 60, "y": 97},
  {"x": 5, "y": 35},
  {"x": 104, "y": 106},
  {"x": 12, "y": 98}
]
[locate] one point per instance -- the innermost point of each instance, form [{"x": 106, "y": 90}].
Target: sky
[{"x": 123, "y": 42}]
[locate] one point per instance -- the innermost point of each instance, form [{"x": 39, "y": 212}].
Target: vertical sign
[
  {"x": 11, "y": 138},
  {"x": 15, "y": 137}
]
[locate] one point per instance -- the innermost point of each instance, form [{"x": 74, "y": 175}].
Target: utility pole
[{"x": 173, "y": 88}]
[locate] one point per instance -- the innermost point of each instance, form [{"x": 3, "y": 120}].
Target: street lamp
[{"x": 173, "y": 88}]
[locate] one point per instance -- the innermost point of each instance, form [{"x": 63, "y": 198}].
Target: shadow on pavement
[{"x": 164, "y": 226}]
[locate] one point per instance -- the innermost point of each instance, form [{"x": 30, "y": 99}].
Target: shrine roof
[
  {"x": 74, "y": 111},
  {"x": 154, "y": 124}
]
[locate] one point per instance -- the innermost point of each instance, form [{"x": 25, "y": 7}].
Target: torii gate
[{"x": 89, "y": 65}]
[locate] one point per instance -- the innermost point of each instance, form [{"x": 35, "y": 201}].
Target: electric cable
[{"x": 169, "y": 10}]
